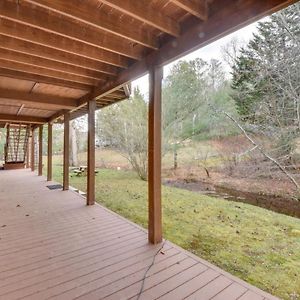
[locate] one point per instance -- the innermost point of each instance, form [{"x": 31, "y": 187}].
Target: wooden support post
[
  {"x": 28, "y": 153},
  {"x": 66, "y": 150},
  {"x": 154, "y": 156},
  {"x": 91, "y": 153},
  {"x": 40, "y": 173},
  {"x": 49, "y": 153},
  {"x": 32, "y": 151}
]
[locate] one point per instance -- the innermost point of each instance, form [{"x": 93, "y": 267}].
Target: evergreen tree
[{"x": 266, "y": 74}]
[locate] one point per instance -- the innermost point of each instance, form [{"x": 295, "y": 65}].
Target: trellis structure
[
  {"x": 61, "y": 59},
  {"x": 16, "y": 145}
]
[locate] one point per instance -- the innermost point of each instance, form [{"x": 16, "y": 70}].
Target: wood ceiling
[{"x": 57, "y": 55}]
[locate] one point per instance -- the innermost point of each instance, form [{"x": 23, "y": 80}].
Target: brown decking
[{"x": 53, "y": 246}]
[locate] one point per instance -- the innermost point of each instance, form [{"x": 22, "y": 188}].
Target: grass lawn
[{"x": 257, "y": 245}]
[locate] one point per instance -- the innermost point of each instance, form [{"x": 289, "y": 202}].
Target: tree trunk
[
  {"x": 175, "y": 154},
  {"x": 73, "y": 143}
]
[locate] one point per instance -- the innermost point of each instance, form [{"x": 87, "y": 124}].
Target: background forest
[{"x": 242, "y": 124}]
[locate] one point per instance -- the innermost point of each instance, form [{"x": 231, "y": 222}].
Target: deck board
[{"x": 53, "y": 246}]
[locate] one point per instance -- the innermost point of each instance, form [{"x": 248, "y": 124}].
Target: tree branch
[{"x": 290, "y": 177}]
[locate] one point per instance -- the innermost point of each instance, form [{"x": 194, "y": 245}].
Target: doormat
[{"x": 54, "y": 186}]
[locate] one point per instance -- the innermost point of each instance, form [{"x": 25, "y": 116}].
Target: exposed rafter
[
  {"x": 44, "y": 101},
  {"x": 79, "y": 44},
  {"x": 22, "y": 119},
  {"x": 143, "y": 11},
  {"x": 43, "y": 79},
  {"x": 41, "y": 19},
  {"x": 27, "y": 59},
  {"x": 56, "y": 116},
  {"x": 95, "y": 17},
  {"x": 26, "y": 47},
  {"x": 30, "y": 69},
  {"x": 197, "y": 8},
  {"x": 229, "y": 17},
  {"x": 20, "y": 109},
  {"x": 54, "y": 41}
]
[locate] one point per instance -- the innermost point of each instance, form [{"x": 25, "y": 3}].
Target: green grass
[{"x": 257, "y": 245}]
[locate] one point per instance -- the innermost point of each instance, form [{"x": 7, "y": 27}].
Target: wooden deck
[{"x": 52, "y": 246}]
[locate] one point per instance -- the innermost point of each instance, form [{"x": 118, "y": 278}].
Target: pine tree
[{"x": 266, "y": 74}]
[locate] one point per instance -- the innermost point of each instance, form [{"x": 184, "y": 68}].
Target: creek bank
[{"x": 275, "y": 203}]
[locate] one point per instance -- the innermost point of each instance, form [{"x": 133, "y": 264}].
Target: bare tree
[
  {"x": 231, "y": 51},
  {"x": 258, "y": 147},
  {"x": 73, "y": 144},
  {"x": 124, "y": 126}
]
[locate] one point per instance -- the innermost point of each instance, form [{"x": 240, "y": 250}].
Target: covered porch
[
  {"x": 60, "y": 60},
  {"x": 54, "y": 246}
]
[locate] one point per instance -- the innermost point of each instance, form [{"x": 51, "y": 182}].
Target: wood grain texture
[
  {"x": 49, "y": 152},
  {"x": 54, "y": 246},
  {"x": 91, "y": 153},
  {"x": 22, "y": 119},
  {"x": 40, "y": 158},
  {"x": 66, "y": 153},
  {"x": 32, "y": 158},
  {"x": 154, "y": 156},
  {"x": 87, "y": 14},
  {"x": 68, "y": 30},
  {"x": 96, "y": 47}
]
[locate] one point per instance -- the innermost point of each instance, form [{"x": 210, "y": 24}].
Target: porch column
[
  {"x": 154, "y": 156},
  {"x": 49, "y": 153},
  {"x": 28, "y": 153},
  {"x": 91, "y": 153},
  {"x": 32, "y": 162},
  {"x": 66, "y": 150},
  {"x": 40, "y": 173}
]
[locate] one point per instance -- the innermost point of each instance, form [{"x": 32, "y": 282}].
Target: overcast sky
[{"x": 213, "y": 50}]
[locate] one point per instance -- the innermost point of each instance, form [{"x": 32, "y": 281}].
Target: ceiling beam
[
  {"x": 83, "y": 12},
  {"x": 40, "y": 37},
  {"x": 24, "y": 58},
  {"x": 22, "y": 119},
  {"x": 56, "y": 115},
  {"x": 20, "y": 109},
  {"x": 117, "y": 94},
  {"x": 42, "y": 100},
  {"x": 43, "y": 79},
  {"x": 228, "y": 17},
  {"x": 30, "y": 105},
  {"x": 40, "y": 51},
  {"x": 144, "y": 12},
  {"x": 36, "y": 17},
  {"x": 13, "y": 65},
  {"x": 197, "y": 8}
]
